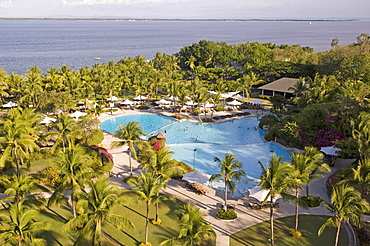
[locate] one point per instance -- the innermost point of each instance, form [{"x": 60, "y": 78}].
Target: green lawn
[
  {"x": 135, "y": 211},
  {"x": 308, "y": 224},
  {"x": 35, "y": 166}
]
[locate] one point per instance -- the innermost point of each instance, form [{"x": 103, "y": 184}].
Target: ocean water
[{"x": 48, "y": 43}]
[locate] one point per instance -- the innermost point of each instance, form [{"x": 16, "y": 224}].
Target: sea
[{"x": 78, "y": 43}]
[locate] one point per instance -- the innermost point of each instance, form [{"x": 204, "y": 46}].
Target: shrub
[
  {"x": 95, "y": 138},
  {"x": 219, "y": 108},
  {"x": 144, "y": 107},
  {"x": 295, "y": 234},
  {"x": 311, "y": 201},
  {"x": 49, "y": 176},
  {"x": 207, "y": 120},
  {"x": 226, "y": 215},
  {"x": 157, "y": 222},
  {"x": 145, "y": 244}
]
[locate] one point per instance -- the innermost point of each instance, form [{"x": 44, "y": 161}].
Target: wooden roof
[{"x": 282, "y": 85}]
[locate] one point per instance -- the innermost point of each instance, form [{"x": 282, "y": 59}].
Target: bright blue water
[
  {"x": 46, "y": 43},
  {"x": 239, "y": 137}
]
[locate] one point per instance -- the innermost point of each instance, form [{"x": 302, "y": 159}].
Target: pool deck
[{"x": 213, "y": 200}]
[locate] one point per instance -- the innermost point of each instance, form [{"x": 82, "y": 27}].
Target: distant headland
[{"x": 154, "y": 19}]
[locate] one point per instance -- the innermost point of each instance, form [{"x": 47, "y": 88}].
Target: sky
[{"x": 187, "y": 9}]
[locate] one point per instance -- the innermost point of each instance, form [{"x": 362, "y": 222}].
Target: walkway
[{"x": 211, "y": 202}]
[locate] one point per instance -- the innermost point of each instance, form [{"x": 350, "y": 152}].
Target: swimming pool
[{"x": 198, "y": 144}]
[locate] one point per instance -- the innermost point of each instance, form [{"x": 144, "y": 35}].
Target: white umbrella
[
  {"x": 77, "y": 114},
  {"x": 47, "y": 120},
  {"x": 10, "y": 105},
  {"x": 234, "y": 103},
  {"x": 261, "y": 194},
  {"x": 330, "y": 150},
  {"x": 162, "y": 101},
  {"x": 127, "y": 102},
  {"x": 140, "y": 97},
  {"x": 196, "y": 177},
  {"x": 238, "y": 96},
  {"x": 191, "y": 103},
  {"x": 257, "y": 101},
  {"x": 208, "y": 105},
  {"x": 113, "y": 98}
]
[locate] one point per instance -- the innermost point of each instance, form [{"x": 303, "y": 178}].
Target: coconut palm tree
[
  {"x": 347, "y": 206},
  {"x": 129, "y": 134},
  {"x": 74, "y": 174},
  {"x": 96, "y": 210},
  {"x": 274, "y": 179},
  {"x": 193, "y": 228},
  {"x": 65, "y": 129},
  {"x": 19, "y": 187},
  {"x": 230, "y": 171},
  {"x": 304, "y": 167},
  {"x": 16, "y": 141},
  {"x": 162, "y": 164},
  {"x": 361, "y": 175},
  {"x": 20, "y": 225},
  {"x": 147, "y": 186},
  {"x": 247, "y": 81}
]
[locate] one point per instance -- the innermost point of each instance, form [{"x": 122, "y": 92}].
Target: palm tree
[
  {"x": 162, "y": 165},
  {"x": 274, "y": 179},
  {"x": 16, "y": 141},
  {"x": 74, "y": 174},
  {"x": 304, "y": 167},
  {"x": 147, "y": 186},
  {"x": 19, "y": 187},
  {"x": 193, "y": 228},
  {"x": 65, "y": 129},
  {"x": 361, "y": 175},
  {"x": 247, "y": 81},
  {"x": 230, "y": 171},
  {"x": 95, "y": 210},
  {"x": 19, "y": 226},
  {"x": 347, "y": 206},
  {"x": 130, "y": 134}
]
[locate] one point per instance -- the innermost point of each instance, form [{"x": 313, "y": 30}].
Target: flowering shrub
[
  {"x": 333, "y": 179},
  {"x": 103, "y": 152},
  {"x": 321, "y": 138}
]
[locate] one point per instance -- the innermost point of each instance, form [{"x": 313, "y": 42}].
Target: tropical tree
[
  {"x": 20, "y": 225},
  {"x": 129, "y": 135},
  {"x": 147, "y": 186},
  {"x": 193, "y": 228},
  {"x": 74, "y": 174},
  {"x": 247, "y": 81},
  {"x": 304, "y": 166},
  {"x": 361, "y": 175},
  {"x": 162, "y": 164},
  {"x": 96, "y": 210},
  {"x": 65, "y": 131},
  {"x": 274, "y": 178},
  {"x": 17, "y": 141},
  {"x": 230, "y": 172},
  {"x": 347, "y": 206},
  {"x": 19, "y": 187}
]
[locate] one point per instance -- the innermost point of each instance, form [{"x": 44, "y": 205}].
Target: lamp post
[{"x": 194, "y": 158}]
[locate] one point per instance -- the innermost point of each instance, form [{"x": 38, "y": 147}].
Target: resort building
[{"x": 283, "y": 87}]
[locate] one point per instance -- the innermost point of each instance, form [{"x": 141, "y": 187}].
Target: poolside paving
[{"x": 213, "y": 200}]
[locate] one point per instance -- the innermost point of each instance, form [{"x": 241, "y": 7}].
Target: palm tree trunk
[
  {"x": 307, "y": 186},
  {"x": 129, "y": 160},
  {"x": 225, "y": 198},
  {"x": 296, "y": 210},
  {"x": 156, "y": 211},
  {"x": 338, "y": 231},
  {"x": 16, "y": 162},
  {"x": 73, "y": 206},
  {"x": 272, "y": 223},
  {"x": 147, "y": 223}
]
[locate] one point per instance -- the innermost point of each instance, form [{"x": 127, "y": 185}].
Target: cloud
[
  {"x": 114, "y": 2},
  {"x": 6, "y": 4}
]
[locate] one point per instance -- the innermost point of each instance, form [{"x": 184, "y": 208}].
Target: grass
[
  {"x": 259, "y": 234},
  {"x": 35, "y": 166},
  {"x": 135, "y": 211}
]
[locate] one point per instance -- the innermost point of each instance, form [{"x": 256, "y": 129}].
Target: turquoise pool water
[{"x": 198, "y": 144}]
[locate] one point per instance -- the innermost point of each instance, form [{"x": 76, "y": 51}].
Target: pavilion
[{"x": 283, "y": 87}]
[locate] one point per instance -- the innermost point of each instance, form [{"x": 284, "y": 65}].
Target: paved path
[{"x": 211, "y": 202}]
